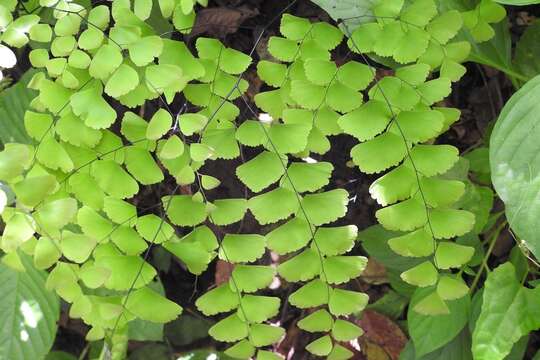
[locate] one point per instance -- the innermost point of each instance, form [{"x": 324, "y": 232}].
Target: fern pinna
[{"x": 76, "y": 187}]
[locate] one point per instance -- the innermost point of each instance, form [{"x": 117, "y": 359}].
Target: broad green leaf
[
  {"x": 128, "y": 240},
  {"x": 53, "y": 155},
  {"x": 18, "y": 229},
  {"x": 445, "y": 26},
  {"x": 513, "y": 172},
  {"x": 14, "y": 101},
  {"x": 508, "y": 313},
  {"x": 451, "y": 288},
  {"x": 430, "y": 332},
  {"x": 294, "y": 27},
  {"x": 271, "y": 73},
  {"x": 29, "y": 313},
  {"x": 32, "y": 190},
  {"x": 93, "y": 224}
]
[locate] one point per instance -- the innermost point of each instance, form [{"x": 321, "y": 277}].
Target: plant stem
[{"x": 492, "y": 241}]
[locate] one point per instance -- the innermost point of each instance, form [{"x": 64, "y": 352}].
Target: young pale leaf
[
  {"x": 451, "y": 288},
  {"x": 431, "y": 160},
  {"x": 261, "y": 171},
  {"x": 405, "y": 216},
  {"x": 380, "y": 153},
  {"x": 192, "y": 123},
  {"x": 154, "y": 229},
  {"x": 228, "y": 211},
  {"x": 159, "y": 125},
  {"x": 184, "y": 210},
  {"x": 230, "y": 329},
  {"x": 218, "y": 300},
  {"x": 264, "y": 335},
  {"x": 142, "y": 166},
  {"x": 250, "y": 278},
  {"x": 77, "y": 247},
  {"x": 138, "y": 301},
  {"x": 126, "y": 271},
  {"x": 289, "y": 237},
  {"x": 341, "y": 269},
  {"x": 241, "y": 350},
  {"x": 237, "y": 248},
  {"x": 345, "y": 331},
  {"x": 303, "y": 267},
  {"x": 335, "y": 240},
  {"x": 321, "y": 346},
  {"x": 326, "y": 207},
  {"x": 312, "y": 294},
  {"x": 422, "y": 275},
  {"x": 273, "y": 206},
  {"x": 256, "y": 309},
  {"x": 318, "y": 321},
  {"x": 452, "y": 255},
  {"x": 418, "y": 243},
  {"x": 122, "y": 81},
  {"x": 345, "y": 302}
]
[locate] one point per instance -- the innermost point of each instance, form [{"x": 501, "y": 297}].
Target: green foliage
[{"x": 78, "y": 186}]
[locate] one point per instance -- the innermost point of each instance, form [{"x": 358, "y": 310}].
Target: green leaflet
[{"x": 138, "y": 302}]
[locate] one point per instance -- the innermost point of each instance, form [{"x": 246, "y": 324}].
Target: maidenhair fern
[{"x": 96, "y": 148}]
